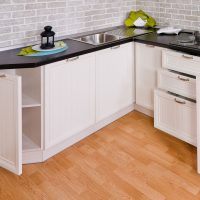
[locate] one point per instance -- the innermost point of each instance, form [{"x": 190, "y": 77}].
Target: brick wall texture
[
  {"x": 178, "y": 13},
  {"x": 21, "y": 21}
]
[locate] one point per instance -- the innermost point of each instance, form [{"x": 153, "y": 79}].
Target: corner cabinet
[
  {"x": 114, "y": 80},
  {"x": 46, "y": 109},
  {"x": 148, "y": 61},
  {"x": 69, "y": 98}
]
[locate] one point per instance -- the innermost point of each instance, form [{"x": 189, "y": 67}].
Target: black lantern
[{"x": 47, "y": 38}]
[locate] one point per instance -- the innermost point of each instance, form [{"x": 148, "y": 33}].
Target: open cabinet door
[{"x": 11, "y": 123}]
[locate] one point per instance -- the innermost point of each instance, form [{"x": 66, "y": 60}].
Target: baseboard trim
[
  {"x": 32, "y": 156},
  {"x": 144, "y": 110},
  {"x": 83, "y": 134},
  {"x": 36, "y": 156}
]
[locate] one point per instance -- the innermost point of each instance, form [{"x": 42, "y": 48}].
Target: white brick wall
[
  {"x": 179, "y": 13},
  {"x": 21, "y": 21}
]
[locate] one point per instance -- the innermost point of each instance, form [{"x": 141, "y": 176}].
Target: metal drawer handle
[
  {"x": 2, "y": 76},
  {"x": 180, "y": 102},
  {"x": 149, "y": 45},
  {"x": 116, "y": 47},
  {"x": 72, "y": 59},
  {"x": 187, "y": 57},
  {"x": 183, "y": 79}
]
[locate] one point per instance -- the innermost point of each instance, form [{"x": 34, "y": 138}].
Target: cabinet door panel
[
  {"x": 83, "y": 94},
  {"x": 187, "y": 122},
  {"x": 165, "y": 113},
  {"x": 57, "y": 104},
  {"x": 148, "y": 61},
  {"x": 114, "y": 80},
  {"x": 11, "y": 123},
  {"x": 69, "y": 98},
  {"x": 175, "y": 116}
]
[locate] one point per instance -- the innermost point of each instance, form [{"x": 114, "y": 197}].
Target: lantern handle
[{"x": 48, "y": 28}]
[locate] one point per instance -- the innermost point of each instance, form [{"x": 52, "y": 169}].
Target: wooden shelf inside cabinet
[
  {"x": 28, "y": 144},
  {"x": 28, "y": 102}
]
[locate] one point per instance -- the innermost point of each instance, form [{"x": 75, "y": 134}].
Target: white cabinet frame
[{"x": 198, "y": 120}]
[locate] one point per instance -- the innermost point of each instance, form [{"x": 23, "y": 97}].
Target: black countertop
[
  {"x": 164, "y": 41},
  {"x": 155, "y": 39},
  {"x": 10, "y": 60}
]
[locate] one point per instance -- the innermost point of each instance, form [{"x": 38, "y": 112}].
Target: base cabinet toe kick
[{"x": 47, "y": 109}]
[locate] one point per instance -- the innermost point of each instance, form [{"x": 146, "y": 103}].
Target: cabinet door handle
[
  {"x": 183, "y": 79},
  {"x": 187, "y": 57},
  {"x": 2, "y": 76},
  {"x": 180, "y": 102},
  {"x": 116, "y": 47},
  {"x": 72, "y": 59},
  {"x": 149, "y": 45}
]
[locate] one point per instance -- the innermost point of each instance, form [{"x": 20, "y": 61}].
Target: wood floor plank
[{"x": 127, "y": 160}]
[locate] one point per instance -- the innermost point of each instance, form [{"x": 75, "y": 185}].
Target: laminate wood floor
[{"x": 127, "y": 160}]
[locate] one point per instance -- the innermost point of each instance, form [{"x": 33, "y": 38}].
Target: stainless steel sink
[{"x": 97, "y": 39}]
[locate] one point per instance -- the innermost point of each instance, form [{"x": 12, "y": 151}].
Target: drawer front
[
  {"x": 175, "y": 116},
  {"x": 176, "y": 83},
  {"x": 181, "y": 62}
]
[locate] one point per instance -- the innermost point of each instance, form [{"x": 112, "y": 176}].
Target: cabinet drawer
[
  {"x": 177, "y": 83},
  {"x": 176, "y": 116},
  {"x": 181, "y": 62}
]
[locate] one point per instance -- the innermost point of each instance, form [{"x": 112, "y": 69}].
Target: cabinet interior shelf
[
  {"x": 28, "y": 144},
  {"x": 28, "y": 102}
]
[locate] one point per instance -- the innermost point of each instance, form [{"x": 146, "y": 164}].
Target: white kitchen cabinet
[
  {"x": 177, "y": 77},
  {"x": 114, "y": 80},
  {"x": 177, "y": 83},
  {"x": 180, "y": 62},
  {"x": 148, "y": 61},
  {"x": 46, "y": 109},
  {"x": 176, "y": 116},
  {"x": 20, "y": 129},
  {"x": 69, "y": 98}
]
